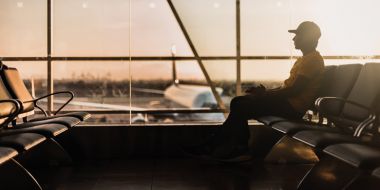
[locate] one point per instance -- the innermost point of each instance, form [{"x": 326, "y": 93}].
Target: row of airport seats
[
  {"x": 21, "y": 131},
  {"x": 344, "y": 143}
]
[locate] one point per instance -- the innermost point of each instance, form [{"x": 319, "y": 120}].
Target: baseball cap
[{"x": 308, "y": 28}]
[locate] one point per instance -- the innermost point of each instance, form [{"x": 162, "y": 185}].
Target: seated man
[{"x": 290, "y": 101}]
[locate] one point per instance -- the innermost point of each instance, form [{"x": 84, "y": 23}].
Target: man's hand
[{"x": 256, "y": 90}]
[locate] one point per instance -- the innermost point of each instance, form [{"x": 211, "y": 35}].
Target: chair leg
[
  {"x": 15, "y": 176},
  {"x": 329, "y": 173},
  {"x": 289, "y": 150}
]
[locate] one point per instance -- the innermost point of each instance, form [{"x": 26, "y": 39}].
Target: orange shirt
[{"x": 310, "y": 66}]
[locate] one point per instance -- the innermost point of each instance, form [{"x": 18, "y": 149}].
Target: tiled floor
[{"x": 168, "y": 174}]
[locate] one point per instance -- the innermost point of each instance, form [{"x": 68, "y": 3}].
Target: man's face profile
[
  {"x": 301, "y": 41},
  {"x": 306, "y": 35}
]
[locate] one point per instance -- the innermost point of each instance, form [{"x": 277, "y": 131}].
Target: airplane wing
[{"x": 99, "y": 105}]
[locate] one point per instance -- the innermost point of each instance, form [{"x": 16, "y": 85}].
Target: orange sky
[{"x": 102, "y": 28}]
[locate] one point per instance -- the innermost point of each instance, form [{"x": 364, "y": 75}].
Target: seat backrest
[
  {"x": 5, "y": 108},
  {"x": 365, "y": 92},
  {"x": 338, "y": 83},
  {"x": 328, "y": 73},
  {"x": 17, "y": 88}
]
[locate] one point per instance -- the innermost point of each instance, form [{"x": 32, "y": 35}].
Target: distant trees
[{"x": 112, "y": 88}]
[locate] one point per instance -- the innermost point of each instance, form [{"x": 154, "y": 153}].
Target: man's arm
[{"x": 300, "y": 84}]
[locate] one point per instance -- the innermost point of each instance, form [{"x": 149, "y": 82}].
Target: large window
[
  {"x": 149, "y": 61},
  {"x": 23, "y": 28}
]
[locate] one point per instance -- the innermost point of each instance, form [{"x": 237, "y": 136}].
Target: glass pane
[
  {"x": 264, "y": 27},
  {"x": 211, "y": 25},
  {"x": 155, "y": 87},
  {"x": 344, "y": 32},
  {"x": 223, "y": 74},
  {"x": 101, "y": 28},
  {"x": 23, "y": 30},
  {"x": 189, "y": 71},
  {"x": 97, "y": 85},
  {"x": 155, "y": 30},
  {"x": 150, "y": 79},
  {"x": 265, "y": 24},
  {"x": 91, "y": 28},
  {"x": 256, "y": 72}
]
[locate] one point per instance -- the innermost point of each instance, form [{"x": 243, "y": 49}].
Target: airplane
[{"x": 185, "y": 95}]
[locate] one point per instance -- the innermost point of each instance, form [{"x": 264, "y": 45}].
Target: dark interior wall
[{"x": 124, "y": 142}]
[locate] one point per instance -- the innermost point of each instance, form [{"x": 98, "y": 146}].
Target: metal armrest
[
  {"x": 35, "y": 101},
  {"x": 324, "y": 100},
  {"x": 13, "y": 114},
  {"x": 370, "y": 121}
]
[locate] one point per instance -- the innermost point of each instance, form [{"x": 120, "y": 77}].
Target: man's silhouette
[{"x": 291, "y": 100}]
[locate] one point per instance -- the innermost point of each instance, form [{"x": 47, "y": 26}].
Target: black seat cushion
[
  {"x": 47, "y": 130},
  {"x": 80, "y": 115},
  {"x": 6, "y": 154},
  {"x": 67, "y": 121},
  {"x": 292, "y": 127},
  {"x": 321, "y": 139},
  {"x": 269, "y": 120},
  {"x": 21, "y": 142},
  {"x": 357, "y": 155}
]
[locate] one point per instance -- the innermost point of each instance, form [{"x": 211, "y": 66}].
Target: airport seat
[
  {"x": 321, "y": 139},
  {"x": 270, "y": 119},
  {"x": 292, "y": 127},
  {"x": 7, "y": 154},
  {"x": 357, "y": 155},
  {"x": 17, "y": 90},
  {"x": 66, "y": 120},
  {"x": 21, "y": 142},
  {"x": 369, "y": 181},
  {"x": 362, "y": 100},
  {"x": 24, "y": 138},
  {"x": 337, "y": 82},
  {"x": 48, "y": 130},
  {"x": 345, "y": 166}
]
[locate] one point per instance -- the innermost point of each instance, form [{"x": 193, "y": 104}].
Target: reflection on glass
[{"x": 23, "y": 28}]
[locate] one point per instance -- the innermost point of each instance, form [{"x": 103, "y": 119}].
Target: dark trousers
[{"x": 242, "y": 108}]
